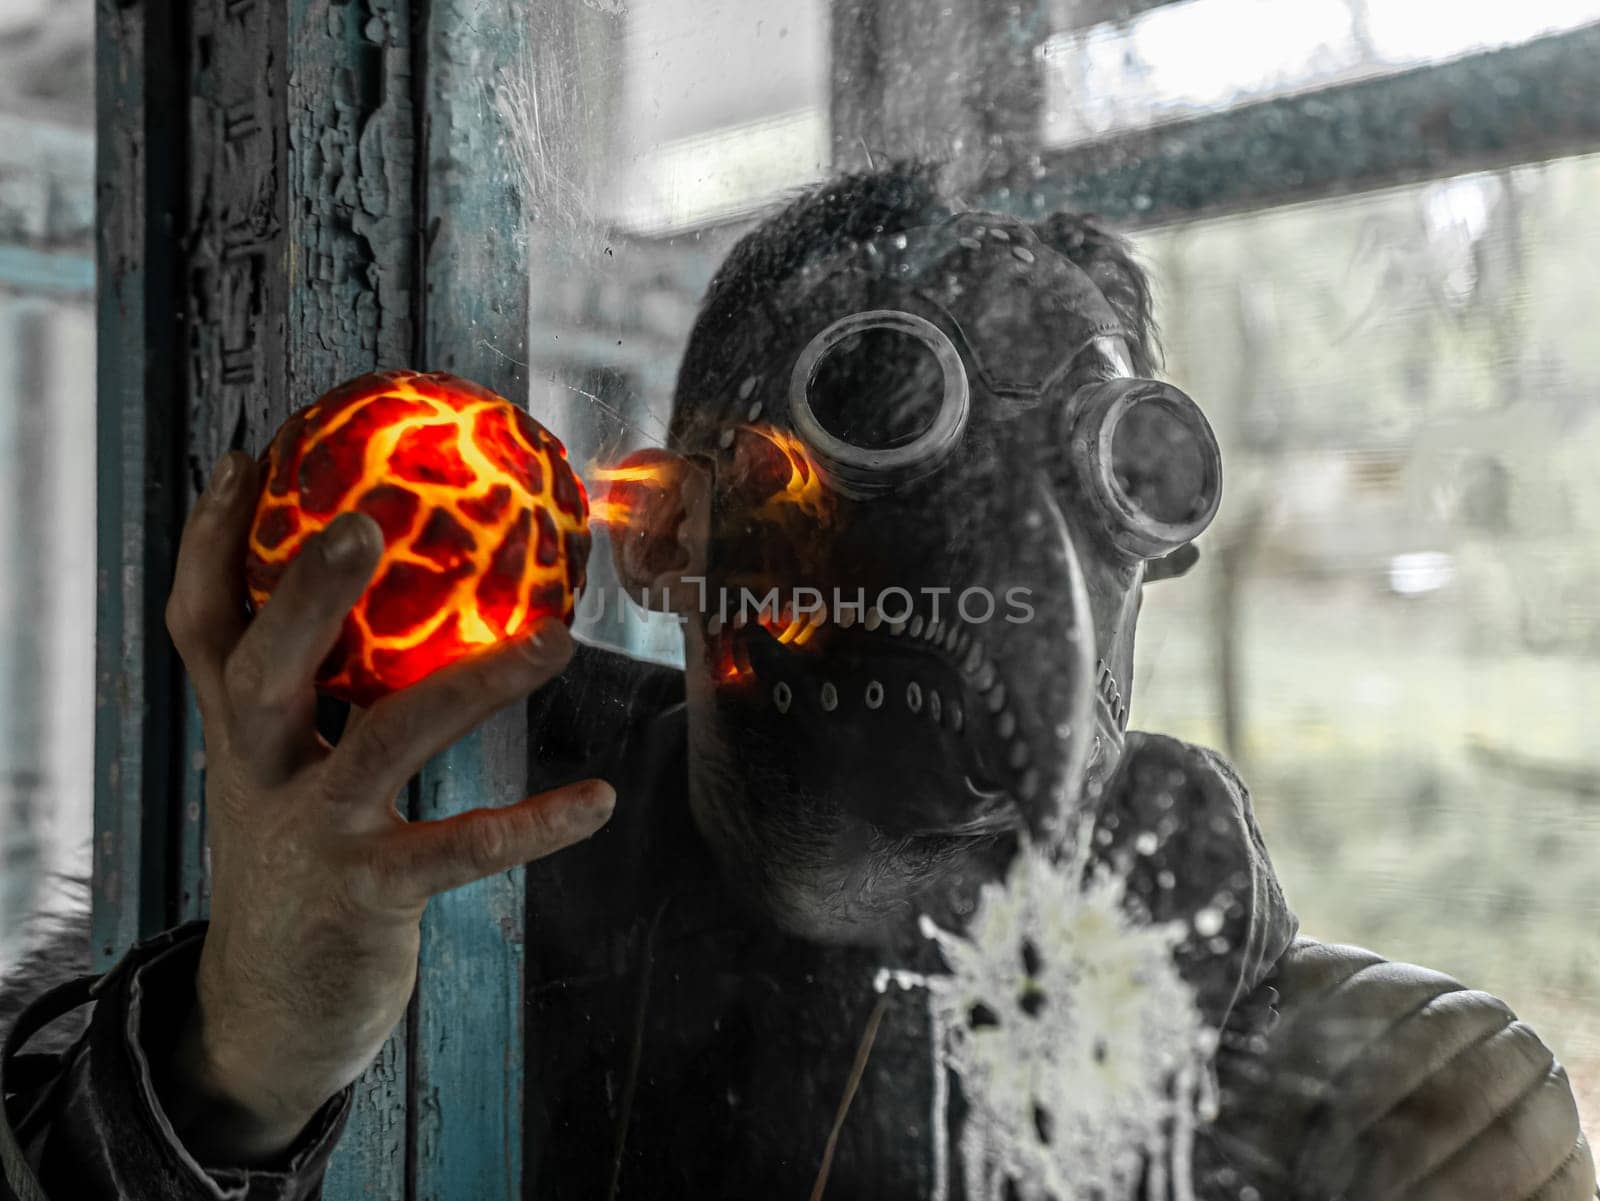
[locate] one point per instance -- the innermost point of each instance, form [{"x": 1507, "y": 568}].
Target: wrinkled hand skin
[
  {"x": 318, "y": 881},
  {"x": 1383, "y": 1081}
]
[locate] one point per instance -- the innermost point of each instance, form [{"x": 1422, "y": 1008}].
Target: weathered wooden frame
[{"x": 291, "y": 194}]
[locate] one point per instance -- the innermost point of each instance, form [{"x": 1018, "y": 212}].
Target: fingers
[
  {"x": 413, "y": 862},
  {"x": 392, "y": 740},
  {"x": 205, "y": 610},
  {"x": 269, "y": 677}
]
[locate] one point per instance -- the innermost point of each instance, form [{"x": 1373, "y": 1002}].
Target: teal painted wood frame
[
  {"x": 138, "y": 190},
  {"x": 282, "y": 185},
  {"x": 467, "y": 1034},
  {"x": 348, "y": 118},
  {"x": 1522, "y": 104}
]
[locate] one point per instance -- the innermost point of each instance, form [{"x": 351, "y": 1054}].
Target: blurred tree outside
[{"x": 1407, "y": 390}]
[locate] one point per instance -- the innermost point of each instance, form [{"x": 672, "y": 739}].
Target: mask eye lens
[
  {"x": 1148, "y": 463},
  {"x": 1160, "y": 465},
  {"x": 878, "y": 389},
  {"x": 880, "y": 398}
]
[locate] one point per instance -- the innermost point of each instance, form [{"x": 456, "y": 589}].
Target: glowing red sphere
[{"x": 485, "y": 525}]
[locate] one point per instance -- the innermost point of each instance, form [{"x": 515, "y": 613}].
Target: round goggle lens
[
  {"x": 1160, "y": 464},
  {"x": 880, "y": 398},
  {"x": 878, "y": 389}
]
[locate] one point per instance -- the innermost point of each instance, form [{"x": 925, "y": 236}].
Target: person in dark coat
[{"x": 741, "y": 981}]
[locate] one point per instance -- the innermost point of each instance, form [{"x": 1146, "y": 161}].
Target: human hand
[
  {"x": 318, "y": 882},
  {"x": 1384, "y": 1080}
]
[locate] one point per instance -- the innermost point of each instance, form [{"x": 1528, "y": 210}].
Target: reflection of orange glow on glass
[
  {"x": 613, "y": 514},
  {"x": 615, "y": 509},
  {"x": 732, "y": 665},
  {"x": 794, "y": 629},
  {"x": 804, "y": 488},
  {"x": 644, "y": 473},
  {"x": 483, "y": 521}
]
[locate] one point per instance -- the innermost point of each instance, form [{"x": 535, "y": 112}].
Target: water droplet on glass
[{"x": 1208, "y": 921}]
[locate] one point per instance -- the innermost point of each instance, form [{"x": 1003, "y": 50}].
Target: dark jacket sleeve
[
  {"x": 1373, "y": 1078},
  {"x": 1181, "y": 821},
  {"x": 86, "y": 1124}
]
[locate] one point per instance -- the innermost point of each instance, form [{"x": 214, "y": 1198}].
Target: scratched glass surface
[{"x": 1392, "y": 630}]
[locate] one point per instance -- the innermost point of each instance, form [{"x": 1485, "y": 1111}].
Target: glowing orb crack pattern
[{"x": 485, "y": 525}]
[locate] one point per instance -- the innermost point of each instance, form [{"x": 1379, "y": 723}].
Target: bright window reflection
[
  {"x": 1183, "y": 59},
  {"x": 722, "y": 105}
]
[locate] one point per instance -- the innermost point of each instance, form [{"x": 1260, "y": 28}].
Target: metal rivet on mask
[
  {"x": 935, "y": 705},
  {"x": 914, "y": 697},
  {"x": 873, "y": 619},
  {"x": 725, "y": 439},
  {"x": 748, "y": 386},
  {"x": 1019, "y": 754},
  {"x": 897, "y": 628},
  {"x": 714, "y": 625},
  {"x": 916, "y": 626},
  {"x": 1022, "y": 253},
  {"x": 755, "y": 410},
  {"x": 781, "y": 696},
  {"x": 874, "y": 694},
  {"x": 997, "y": 698},
  {"x": 985, "y": 677},
  {"x": 830, "y": 698},
  {"x": 971, "y": 243},
  {"x": 952, "y": 639},
  {"x": 1005, "y": 725},
  {"x": 932, "y": 632},
  {"x": 958, "y": 717},
  {"x": 1028, "y": 788}
]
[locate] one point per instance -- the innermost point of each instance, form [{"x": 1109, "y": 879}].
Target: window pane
[
  {"x": 1391, "y": 631},
  {"x": 1394, "y": 625}
]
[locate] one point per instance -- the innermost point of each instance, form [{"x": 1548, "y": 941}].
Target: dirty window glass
[
  {"x": 821, "y": 319},
  {"x": 1392, "y": 627}
]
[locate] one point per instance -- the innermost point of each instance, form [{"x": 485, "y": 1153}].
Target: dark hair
[
  {"x": 1105, "y": 256},
  {"x": 825, "y": 219}
]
